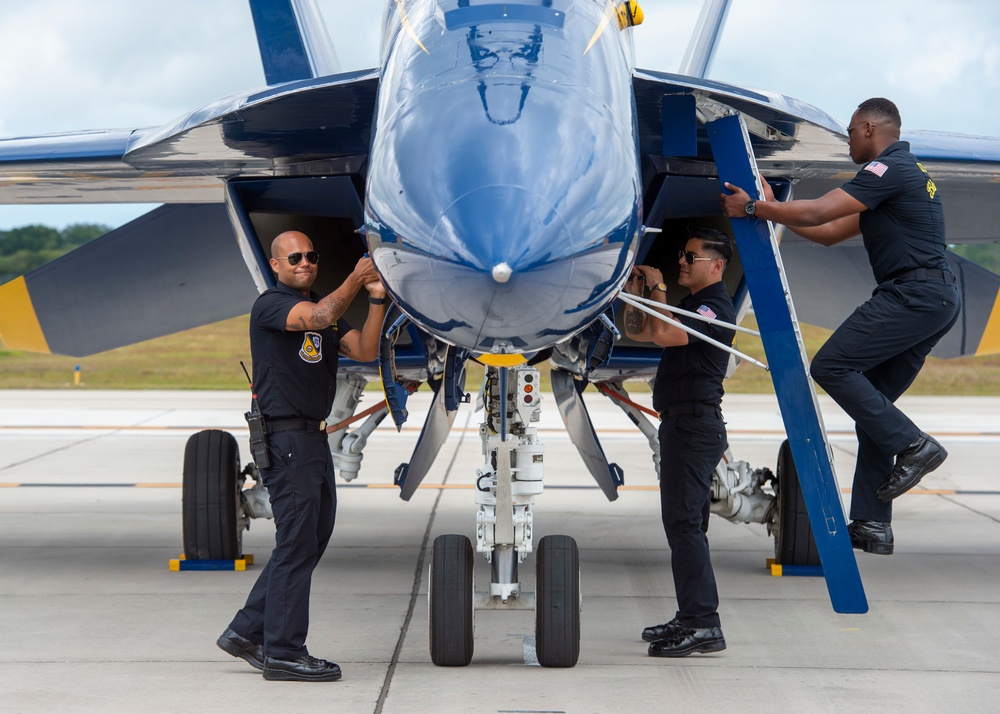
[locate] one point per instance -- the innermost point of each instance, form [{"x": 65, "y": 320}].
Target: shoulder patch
[
  {"x": 706, "y": 311},
  {"x": 877, "y": 168}
]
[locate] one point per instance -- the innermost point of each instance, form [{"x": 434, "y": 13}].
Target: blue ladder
[{"x": 788, "y": 363}]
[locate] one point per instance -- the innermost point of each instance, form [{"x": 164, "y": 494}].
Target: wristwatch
[
  {"x": 376, "y": 301},
  {"x": 751, "y": 207},
  {"x": 659, "y": 286}
]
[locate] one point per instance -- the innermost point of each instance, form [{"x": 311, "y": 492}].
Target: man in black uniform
[
  {"x": 873, "y": 357},
  {"x": 295, "y": 338},
  {"x": 687, "y": 393}
]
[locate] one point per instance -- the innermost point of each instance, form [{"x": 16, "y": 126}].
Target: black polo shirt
[
  {"x": 903, "y": 228},
  {"x": 294, "y": 373},
  {"x": 694, "y": 372}
]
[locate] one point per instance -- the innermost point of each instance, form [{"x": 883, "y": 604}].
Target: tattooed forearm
[
  {"x": 327, "y": 311},
  {"x": 633, "y": 320},
  {"x": 345, "y": 349},
  {"x": 324, "y": 313}
]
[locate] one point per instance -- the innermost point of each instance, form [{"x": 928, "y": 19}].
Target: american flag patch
[
  {"x": 877, "y": 168},
  {"x": 706, "y": 311}
]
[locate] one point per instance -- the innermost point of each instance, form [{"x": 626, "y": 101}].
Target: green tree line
[
  {"x": 24, "y": 249},
  {"x": 984, "y": 254}
]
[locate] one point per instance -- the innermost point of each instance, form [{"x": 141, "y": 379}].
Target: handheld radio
[{"x": 258, "y": 428}]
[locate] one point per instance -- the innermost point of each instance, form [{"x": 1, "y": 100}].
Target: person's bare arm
[
  {"x": 634, "y": 318},
  {"x": 317, "y": 315},
  {"x": 652, "y": 329},
  {"x": 831, "y": 233},
  {"x": 827, "y": 220},
  {"x": 362, "y": 345}
]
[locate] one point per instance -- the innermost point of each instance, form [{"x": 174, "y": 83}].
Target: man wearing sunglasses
[
  {"x": 874, "y": 356},
  {"x": 295, "y": 339},
  {"x": 688, "y": 395}
]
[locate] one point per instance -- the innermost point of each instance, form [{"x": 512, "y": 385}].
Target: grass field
[{"x": 208, "y": 358}]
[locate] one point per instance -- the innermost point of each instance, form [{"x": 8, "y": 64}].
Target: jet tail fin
[
  {"x": 977, "y": 331},
  {"x": 705, "y": 40},
  {"x": 293, "y": 40}
]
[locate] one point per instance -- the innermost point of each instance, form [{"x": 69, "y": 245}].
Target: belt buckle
[{"x": 322, "y": 425}]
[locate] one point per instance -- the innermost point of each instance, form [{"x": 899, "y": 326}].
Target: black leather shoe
[
  {"x": 912, "y": 464},
  {"x": 239, "y": 646},
  {"x": 662, "y": 632},
  {"x": 303, "y": 669},
  {"x": 871, "y": 536},
  {"x": 688, "y": 641}
]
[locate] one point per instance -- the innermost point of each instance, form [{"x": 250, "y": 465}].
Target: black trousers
[
  {"x": 690, "y": 449},
  {"x": 303, "y": 496},
  {"x": 869, "y": 362}
]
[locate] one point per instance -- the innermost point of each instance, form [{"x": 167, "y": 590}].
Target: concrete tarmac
[{"x": 92, "y": 619}]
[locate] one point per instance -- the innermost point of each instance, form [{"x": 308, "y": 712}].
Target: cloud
[
  {"x": 93, "y": 64},
  {"x": 102, "y": 63}
]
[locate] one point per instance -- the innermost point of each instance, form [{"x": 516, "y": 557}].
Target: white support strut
[
  {"x": 634, "y": 302},
  {"x": 695, "y": 315}
]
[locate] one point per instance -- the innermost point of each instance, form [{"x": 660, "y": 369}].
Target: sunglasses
[
  {"x": 293, "y": 258},
  {"x": 850, "y": 129},
  {"x": 690, "y": 257}
]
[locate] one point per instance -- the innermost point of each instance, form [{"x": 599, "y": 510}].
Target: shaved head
[{"x": 279, "y": 246}]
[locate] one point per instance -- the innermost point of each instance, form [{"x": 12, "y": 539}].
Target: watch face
[{"x": 751, "y": 207}]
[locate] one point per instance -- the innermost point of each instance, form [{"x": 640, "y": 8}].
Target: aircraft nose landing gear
[{"x": 506, "y": 487}]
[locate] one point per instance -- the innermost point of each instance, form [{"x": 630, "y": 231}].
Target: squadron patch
[
  {"x": 312, "y": 347},
  {"x": 877, "y": 168}
]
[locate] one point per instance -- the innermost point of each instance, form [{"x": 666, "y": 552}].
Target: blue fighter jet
[{"x": 505, "y": 166}]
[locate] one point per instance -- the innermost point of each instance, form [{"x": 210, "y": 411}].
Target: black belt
[
  {"x": 276, "y": 425},
  {"x": 925, "y": 274},
  {"x": 695, "y": 408}
]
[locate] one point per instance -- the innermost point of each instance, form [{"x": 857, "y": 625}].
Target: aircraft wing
[{"x": 182, "y": 262}]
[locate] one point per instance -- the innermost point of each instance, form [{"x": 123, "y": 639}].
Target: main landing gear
[
  {"x": 216, "y": 508},
  {"x": 212, "y": 511},
  {"x": 506, "y": 487},
  {"x": 794, "y": 543},
  {"x": 742, "y": 494}
]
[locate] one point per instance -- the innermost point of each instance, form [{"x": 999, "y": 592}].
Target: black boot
[
  {"x": 871, "y": 536},
  {"x": 912, "y": 464}
]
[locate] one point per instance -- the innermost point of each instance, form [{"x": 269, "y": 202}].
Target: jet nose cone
[
  {"x": 502, "y": 269},
  {"x": 501, "y": 272}
]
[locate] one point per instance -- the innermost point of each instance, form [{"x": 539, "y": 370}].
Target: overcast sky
[{"x": 96, "y": 64}]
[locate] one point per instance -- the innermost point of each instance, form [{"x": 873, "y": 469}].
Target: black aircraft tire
[
  {"x": 557, "y": 602},
  {"x": 211, "y": 497},
  {"x": 794, "y": 543},
  {"x": 449, "y": 600}
]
